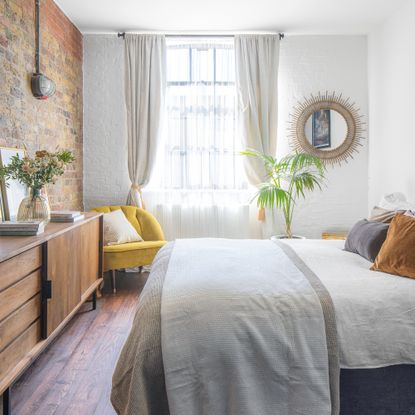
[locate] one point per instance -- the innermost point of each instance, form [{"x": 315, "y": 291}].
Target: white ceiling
[{"x": 291, "y": 16}]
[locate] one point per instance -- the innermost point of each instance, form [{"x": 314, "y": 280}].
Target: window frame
[{"x": 182, "y": 148}]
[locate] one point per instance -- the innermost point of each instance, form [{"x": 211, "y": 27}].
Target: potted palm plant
[{"x": 288, "y": 179}]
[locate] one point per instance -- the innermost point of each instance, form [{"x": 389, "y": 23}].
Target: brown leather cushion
[{"x": 397, "y": 255}]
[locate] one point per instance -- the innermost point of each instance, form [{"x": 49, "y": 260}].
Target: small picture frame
[
  {"x": 12, "y": 192},
  {"x": 321, "y": 136}
]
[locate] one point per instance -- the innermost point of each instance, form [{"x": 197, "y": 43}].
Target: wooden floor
[{"x": 73, "y": 376}]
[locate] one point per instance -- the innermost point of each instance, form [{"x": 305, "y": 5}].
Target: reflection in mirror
[{"x": 326, "y": 129}]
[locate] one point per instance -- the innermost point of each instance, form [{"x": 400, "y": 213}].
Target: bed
[{"x": 195, "y": 350}]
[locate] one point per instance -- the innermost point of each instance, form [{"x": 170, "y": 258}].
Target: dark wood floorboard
[{"x": 73, "y": 376}]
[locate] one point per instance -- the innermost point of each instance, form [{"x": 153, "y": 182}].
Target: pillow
[
  {"x": 395, "y": 201},
  {"x": 397, "y": 255},
  {"x": 383, "y": 215},
  {"x": 366, "y": 238},
  {"x": 118, "y": 230}
]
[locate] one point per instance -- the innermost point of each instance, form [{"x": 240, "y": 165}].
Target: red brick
[{"x": 41, "y": 124}]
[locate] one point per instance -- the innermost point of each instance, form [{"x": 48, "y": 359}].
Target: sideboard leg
[
  {"x": 7, "y": 407},
  {"x": 94, "y": 300},
  {"x": 113, "y": 286}
]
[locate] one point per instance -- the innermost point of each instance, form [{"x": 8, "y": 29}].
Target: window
[{"x": 200, "y": 148}]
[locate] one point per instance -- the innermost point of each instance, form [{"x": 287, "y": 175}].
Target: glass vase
[{"x": 34, "y": 207}]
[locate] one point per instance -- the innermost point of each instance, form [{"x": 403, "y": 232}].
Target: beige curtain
[
  {"x": 257, "y": 58},
  {"x": 145, "y": 80}
]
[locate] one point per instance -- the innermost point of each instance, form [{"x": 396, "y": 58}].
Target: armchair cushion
[
  {"x": 134, "y": 246},
  {"x": 133, "y": 254},
  {"x": 118, "y": 229}
]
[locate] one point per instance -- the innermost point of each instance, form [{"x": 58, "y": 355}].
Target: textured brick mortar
[{"x": 25, "y": 121}]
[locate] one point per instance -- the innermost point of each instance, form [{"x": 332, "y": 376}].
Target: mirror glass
[{"x": 326, "y": 129}]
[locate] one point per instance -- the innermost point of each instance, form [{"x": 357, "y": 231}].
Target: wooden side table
[{"x": 338, "y": 235}]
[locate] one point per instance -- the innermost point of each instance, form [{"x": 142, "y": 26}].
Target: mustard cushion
[
  {"x": 134, "y": 246},
  {"x": 131, "y": 258}
]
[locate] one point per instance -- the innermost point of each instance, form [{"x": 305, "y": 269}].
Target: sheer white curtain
[{"x": 199, "y": 187}]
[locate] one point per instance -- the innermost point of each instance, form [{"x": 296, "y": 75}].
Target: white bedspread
[
  {"x": 242, "y": 332},
  {"x": 375, "y": 312}
]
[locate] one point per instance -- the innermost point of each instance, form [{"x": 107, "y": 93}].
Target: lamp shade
[{"x": 42, "y": 86}]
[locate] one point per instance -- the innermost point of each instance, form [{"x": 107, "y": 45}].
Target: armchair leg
[
  {"x": 94, "y": 300},
  {"x": 140, "y": 269},
  {"x": 113, "y": 286}
]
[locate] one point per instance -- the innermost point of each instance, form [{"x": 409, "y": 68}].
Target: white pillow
[
  {"x": 118, "y": 230},
  {"x": 395, "y": 201}
]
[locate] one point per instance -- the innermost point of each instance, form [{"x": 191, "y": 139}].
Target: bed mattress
[{"x": 375, "y": 312}]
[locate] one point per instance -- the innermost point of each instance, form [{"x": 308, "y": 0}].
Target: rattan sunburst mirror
[{"x": 327, "y": 126}]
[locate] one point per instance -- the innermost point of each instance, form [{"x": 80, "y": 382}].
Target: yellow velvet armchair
[{"x": 133, "y": 254}]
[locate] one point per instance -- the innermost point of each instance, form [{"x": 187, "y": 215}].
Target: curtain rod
[{"x": 122, "y": 35}]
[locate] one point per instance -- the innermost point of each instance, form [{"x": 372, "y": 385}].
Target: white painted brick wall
[
  {"x": 105, "y": 147},
  {"x": 392, "y": 106},
  {"x": 309, "y": 64}
]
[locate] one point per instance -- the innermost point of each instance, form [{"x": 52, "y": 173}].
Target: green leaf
[
  {"x": 267, "y": 160},
  {"x": 271, "y": 196}
]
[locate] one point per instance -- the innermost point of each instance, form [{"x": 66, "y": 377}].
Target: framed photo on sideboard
[{"x": 12, "y": 192}]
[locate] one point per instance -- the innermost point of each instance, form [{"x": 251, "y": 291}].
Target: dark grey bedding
[{"x": 383, "y": 391}]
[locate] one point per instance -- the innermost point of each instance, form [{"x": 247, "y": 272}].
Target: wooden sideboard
[{"x": 44, "y": 280}]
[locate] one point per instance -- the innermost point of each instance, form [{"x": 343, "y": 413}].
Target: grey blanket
[{"x": 139, "y": 382}]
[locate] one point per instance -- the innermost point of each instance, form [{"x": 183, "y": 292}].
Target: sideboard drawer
[
  {"x": 17, "y": 350},
  {"x": 14, "y": 269},
  {"x": 15, "y": 296},
  {"x": 17, "y": 322}
]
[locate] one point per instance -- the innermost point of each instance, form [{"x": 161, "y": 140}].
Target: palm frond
[
  {"x": 299, "y": 161},
  {"x": 268, "y": 161},
  {"x": 271, "y": 196},
  {"x": 305, "y": 181}
]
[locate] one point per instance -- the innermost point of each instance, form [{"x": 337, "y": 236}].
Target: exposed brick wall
[{"x": 42, "y": 124}]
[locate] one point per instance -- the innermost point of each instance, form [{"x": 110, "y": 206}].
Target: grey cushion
[{"x": 366, "y": 238}]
